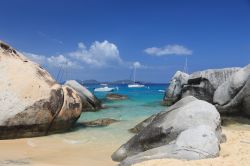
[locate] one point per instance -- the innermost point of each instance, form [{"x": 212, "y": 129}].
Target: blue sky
[{"x": 103, "y": 39}]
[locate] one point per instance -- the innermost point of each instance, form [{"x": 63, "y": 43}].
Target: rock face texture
[
  {"x": 201, "y": 84},
  {"x": 147, "y": 121},
  {"x": 192, "y": 144},
  {"x": 228, "y": 89},
  {"x": 89, "y": 101},
  {"x": 173, "y": 129},
  {"x": 233, "y": 96},
  {"x": 173, "y": 93},
  {"x": 31, "y": 102}
]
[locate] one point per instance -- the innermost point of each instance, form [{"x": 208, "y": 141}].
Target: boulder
[
  {"x": 112, "y": 96},
  {"x": 173, "y": 92},
  {"x": 195, "y": 143},
  {"x": 89, "y": 101},
  {"x": 147, "y": 121},
  {"x": 168, "y": 125},
  {"x": 202, "y": 84},
  {"x": 32, "y": 103},
  {"x": 233, "y": 96},
  {"x": 98, "y": 122}
]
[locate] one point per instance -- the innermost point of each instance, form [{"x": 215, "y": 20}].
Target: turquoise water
[
  {"x": 89, "y": 145},
  {"x": 141, "y": 103}
]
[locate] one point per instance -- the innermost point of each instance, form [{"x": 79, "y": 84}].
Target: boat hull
[
  {"x": 104, "y": 89},
  {"x": 136, "y": 86}
]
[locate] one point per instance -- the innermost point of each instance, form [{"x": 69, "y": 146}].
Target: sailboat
[
  {"x": 135, "y": 84},
  {"x": 104, "y": 88}
]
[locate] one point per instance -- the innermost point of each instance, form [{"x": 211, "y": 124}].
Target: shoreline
[{"x": 57, "y": 150}]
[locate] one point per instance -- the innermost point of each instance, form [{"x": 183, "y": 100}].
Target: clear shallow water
[
  {"x": 141, "y": 103},
  {"x": 88, "y": 145}
]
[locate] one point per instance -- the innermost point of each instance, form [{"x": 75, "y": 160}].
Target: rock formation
[
  {"x": 89, "y": 101},
  {"x": 31, "y": 102},
  {"x": 192, "y": 144},
  {"x": 112, "y": 96},
  {"x": 228, "y": 89},
  {"x": 233, "y": 96},
  {"x": 201, "y": 84},
  {"x": 98, "y": 122},
  {"x": 171, "y": 130},
  {"x": 173, "y": 92}
]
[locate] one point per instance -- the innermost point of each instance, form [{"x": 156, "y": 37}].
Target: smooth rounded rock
[{"x": 32, "y": 103}]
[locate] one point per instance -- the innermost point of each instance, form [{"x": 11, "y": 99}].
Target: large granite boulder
[
  {"x": 201, "y": 84},
  {"x": 31, "y": 102},
  {"x": 89, "y": 100},
  {"x": 173, "y": 92},
  {"x": 167, "y": 126},
  {"x": 147, "y": 121},
  {"x": 233, "y": 96},
  {"x": 195, "y": 143}
]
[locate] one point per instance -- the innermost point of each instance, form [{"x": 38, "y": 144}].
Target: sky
[{"x": 106, "y": 39}]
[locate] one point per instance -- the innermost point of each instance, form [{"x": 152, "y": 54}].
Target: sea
[
  {"x": 90, "y": 146},
  {"x": 141, "y": 103}
]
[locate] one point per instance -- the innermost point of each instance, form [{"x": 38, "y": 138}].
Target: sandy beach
[
  {"x": 66, "y": 150},
  {"x": 234, "y": 152},
  {"x": 54, "y": 152}
]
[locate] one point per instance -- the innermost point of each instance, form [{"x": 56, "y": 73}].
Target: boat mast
[
  {"x": 134, "y": 73},
  {"x": 186, "y": 64}
]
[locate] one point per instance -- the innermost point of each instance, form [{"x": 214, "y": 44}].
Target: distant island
[{"x": 93, "y": 81}]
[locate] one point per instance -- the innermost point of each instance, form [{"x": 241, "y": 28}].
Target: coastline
[{"x": 67, "y": 150}]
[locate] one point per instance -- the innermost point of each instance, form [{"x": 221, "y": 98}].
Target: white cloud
[
  {"x": 62, "y": 61},
  {"x": 56, "y": 61},
  {"x": 99, "y": 54},
  {"x": 137, "y": 64},
  {"x": 40, "y": 59},
  {"x": 168, "y": 50},
  {"x": 81, "y": 45}
]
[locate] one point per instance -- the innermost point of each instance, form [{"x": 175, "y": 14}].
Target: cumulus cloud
[
  {"x": 40, "y": 59},
  {"x": 56, "y": 61},
  {"x": 168, "y": 50},
  {"x": 137, "y": 64},
  {"x": 62, "y": 61},
  {"x": 99, "y": 54}
]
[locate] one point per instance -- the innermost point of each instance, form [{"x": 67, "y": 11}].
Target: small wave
[
  {"x": 68, "y": 141},
  {"x": 31, "y": 143},
  {"x": 161, "y": 90}
]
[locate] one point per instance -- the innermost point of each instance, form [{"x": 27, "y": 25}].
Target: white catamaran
[{"x": 135, "y": 85}]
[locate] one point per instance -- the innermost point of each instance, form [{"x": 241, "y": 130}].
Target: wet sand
[
  {"x": 90, "y": 147},
  {"x": 93, "y": 147},
  {"x": 55, "y": 152}
]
